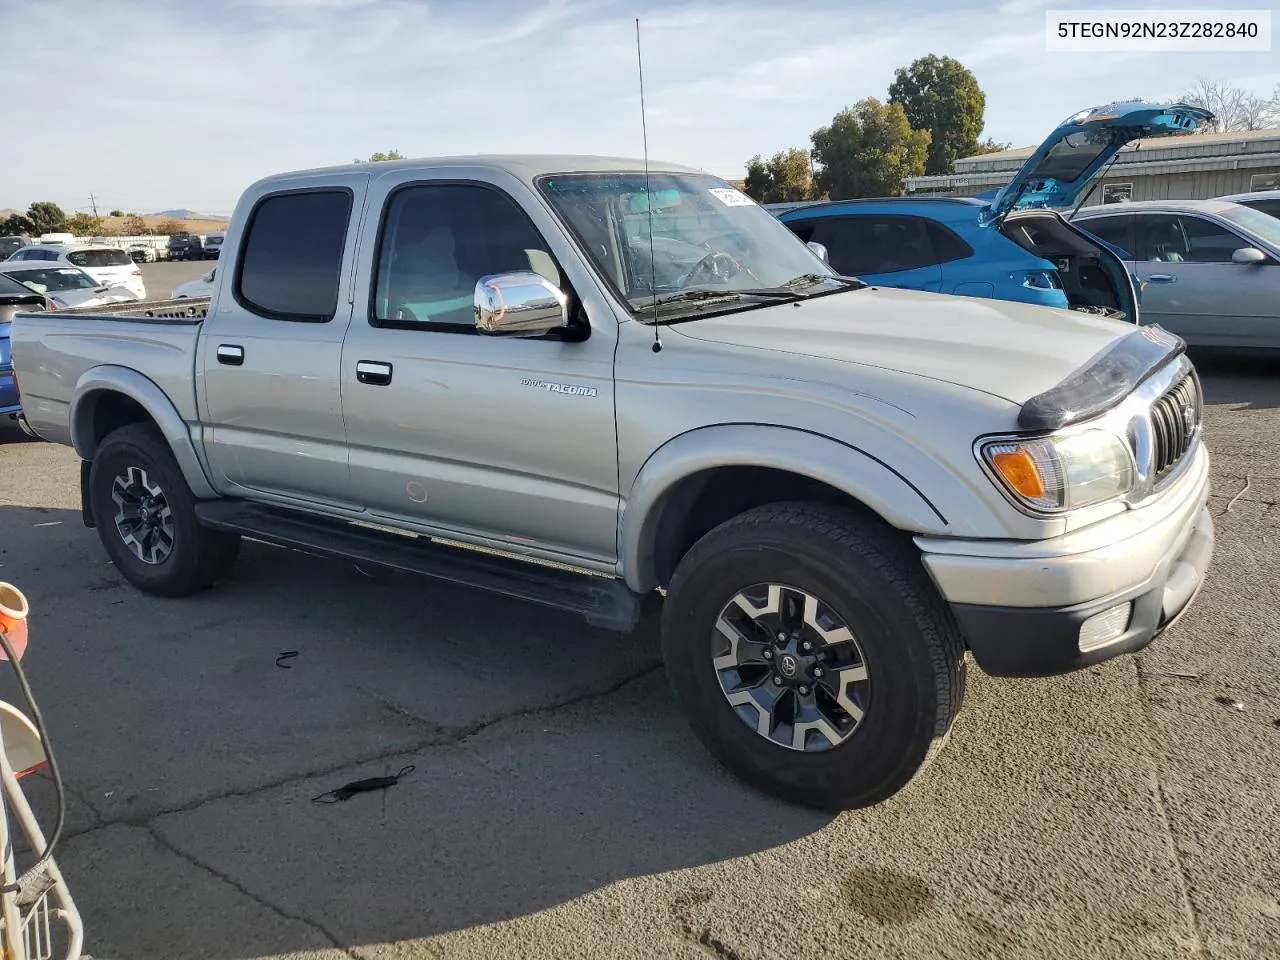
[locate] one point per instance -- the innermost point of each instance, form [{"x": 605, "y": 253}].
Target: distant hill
[{"x": 184, "y": 214}]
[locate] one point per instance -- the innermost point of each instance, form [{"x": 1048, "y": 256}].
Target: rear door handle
[
  {"x": 231, "y": 354},
  {"x": 1161, "y": 278},
  {"x": 373, "y": 372}
]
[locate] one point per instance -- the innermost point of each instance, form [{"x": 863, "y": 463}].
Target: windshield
[
  {"x": 10, "y": 244},
  {"x": 100, "y": 258},
  {"x": 214, "y": 242},
  {"x": 54, "y": 279},
  {"x": 708, "y": 237},
  {"x": 1262, "y": 225}
]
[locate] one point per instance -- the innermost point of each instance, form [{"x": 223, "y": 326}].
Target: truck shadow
[{"x": 550, "y": 760}]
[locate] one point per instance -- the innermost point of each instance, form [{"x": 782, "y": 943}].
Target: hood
[
  {"x": 1072, "y": 155},
  {"x": 1013, "y": 351}
]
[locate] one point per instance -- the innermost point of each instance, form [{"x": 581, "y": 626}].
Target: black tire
[
  {"x": 868, "y": 576},
  {"x": 197, "y": 556}
]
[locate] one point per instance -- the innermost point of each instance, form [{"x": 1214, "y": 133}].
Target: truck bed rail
[{"x": 193, "y": 309}]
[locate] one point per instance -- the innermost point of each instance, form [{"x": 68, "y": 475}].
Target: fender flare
[
  {"x": 813, "y": 455},
  {"x": 108, "y": 378}
]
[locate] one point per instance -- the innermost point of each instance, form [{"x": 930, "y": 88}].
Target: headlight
[{"x": 1052, "y": 474}]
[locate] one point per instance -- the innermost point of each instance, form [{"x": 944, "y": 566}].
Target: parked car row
[
  {"x": 1201, "y": 269},
  {"x": 109, "y": 266}
]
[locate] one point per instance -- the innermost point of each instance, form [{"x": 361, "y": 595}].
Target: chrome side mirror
[
  {"x": 1248, "y": 255},
  {"x": 819, "y": 250},
  {"x": 519, "y": 304}
]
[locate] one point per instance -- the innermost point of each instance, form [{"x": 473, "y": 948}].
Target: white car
[
  {"x": 107, "y": 265},
  {"x": 66, "y": 286},
  {"x": 142, "y": 253},
  {"x": 201, "y": 286}
]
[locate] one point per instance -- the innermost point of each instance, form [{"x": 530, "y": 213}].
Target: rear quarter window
[{"x": 291, "y": 259}]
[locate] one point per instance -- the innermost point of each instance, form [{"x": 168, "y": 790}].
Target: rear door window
[
  {"x": 868, "y": 243},
  {"x": 291, "y": 261}
]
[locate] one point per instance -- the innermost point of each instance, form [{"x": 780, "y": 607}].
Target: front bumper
[{"x": 1022, "y": 608}]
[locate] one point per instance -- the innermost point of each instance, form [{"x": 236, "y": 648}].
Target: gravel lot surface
[{"x": 558, "y": 806}]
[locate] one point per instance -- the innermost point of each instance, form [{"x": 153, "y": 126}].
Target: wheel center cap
[{"x": 788, "y": 665}]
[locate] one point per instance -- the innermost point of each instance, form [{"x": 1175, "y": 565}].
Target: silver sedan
[{"x": 1209, "y": 270}]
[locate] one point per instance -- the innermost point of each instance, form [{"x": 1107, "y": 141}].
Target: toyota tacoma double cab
[{"x": 617, "y": 388}]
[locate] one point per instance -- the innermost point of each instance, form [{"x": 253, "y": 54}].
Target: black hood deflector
[{"x": 1104, "y": 381}]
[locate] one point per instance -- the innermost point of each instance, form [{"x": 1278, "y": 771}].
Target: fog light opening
[{"x": 1105, "y": 627}]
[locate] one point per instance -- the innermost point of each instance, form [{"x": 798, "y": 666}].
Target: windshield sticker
[{"x": 731, "y": 197}]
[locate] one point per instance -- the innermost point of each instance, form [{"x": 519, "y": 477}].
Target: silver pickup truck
[{"x": 604, "y": 389}]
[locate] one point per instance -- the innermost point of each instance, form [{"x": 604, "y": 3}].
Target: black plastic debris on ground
[{"x": 349, "y": 790}]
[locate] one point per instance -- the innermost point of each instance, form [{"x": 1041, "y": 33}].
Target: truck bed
[{"x": 65, "y": 352}]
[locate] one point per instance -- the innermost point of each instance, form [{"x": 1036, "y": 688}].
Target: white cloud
[{"x": 182, "y": 105}]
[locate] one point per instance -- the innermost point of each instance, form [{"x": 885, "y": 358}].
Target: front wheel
[
  {"x": 145, "y": 516},
  {"x": 812, "y": 655}
]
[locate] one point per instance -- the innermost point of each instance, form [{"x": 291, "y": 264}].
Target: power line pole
[{"x": 93, "y": 200}]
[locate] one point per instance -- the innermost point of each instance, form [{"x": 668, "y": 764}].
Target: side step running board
[{"x": 602, "y": 602}]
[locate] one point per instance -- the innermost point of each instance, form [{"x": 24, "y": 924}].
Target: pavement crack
[
  {"x": 444, "y": 737},
  {"x": 242, "y": 889},
  {"x": 1158, "y": 797}
]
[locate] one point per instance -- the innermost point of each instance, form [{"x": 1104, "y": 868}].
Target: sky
[{"x": 164, "y": 104}]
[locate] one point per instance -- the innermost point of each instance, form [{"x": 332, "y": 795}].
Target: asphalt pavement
[{"x": 558, "y": 806}]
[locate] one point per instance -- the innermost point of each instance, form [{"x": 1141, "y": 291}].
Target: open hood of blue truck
[{"x": 1062, "y": 167}]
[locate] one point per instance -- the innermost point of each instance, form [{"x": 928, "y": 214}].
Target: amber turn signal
[{"x": 1018, "y": 470}]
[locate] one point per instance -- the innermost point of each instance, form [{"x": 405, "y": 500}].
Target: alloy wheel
[
  {"x": 143, "y": 518},
  {"x": 791, "y": 667}
]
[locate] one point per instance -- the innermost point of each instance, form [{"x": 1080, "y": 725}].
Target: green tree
[
  {"x": 135, "y": 226},
  {"x": 783, "y": 178},
  {"x": 85, "y": 225},
  {"x": 380, "y": 156},
  {"x": 16, "y": 224},
  {"x": 868, "y": 150},
  {"x": 116, "y": 213},
  {"x": 941, "y": 95},
  {"x": 989, "y": 145},
  {"x": 47, "y": 217}
]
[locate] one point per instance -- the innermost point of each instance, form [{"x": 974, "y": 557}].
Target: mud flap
[{"x": 86, "y": 514}]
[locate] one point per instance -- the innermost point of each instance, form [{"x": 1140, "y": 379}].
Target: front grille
[{"x": 1175, "y": 424}]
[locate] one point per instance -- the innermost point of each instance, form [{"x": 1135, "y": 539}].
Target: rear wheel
[
  {"x": 145, "y": 516},
  {"x": 812, "y": 655}
]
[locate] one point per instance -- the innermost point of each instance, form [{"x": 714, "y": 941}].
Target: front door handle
[
  {"x": 1161, "y": 278},
  {"x": 231, "y": 354},
  {"x": 373, "y": 372}
]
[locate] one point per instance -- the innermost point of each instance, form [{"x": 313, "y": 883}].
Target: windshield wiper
[
  {"x": 787, "y": 292},
  {"x": 697, "y": 296},
  {"x": 807, "y": 279}
]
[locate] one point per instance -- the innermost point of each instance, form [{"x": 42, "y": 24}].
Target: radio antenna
[{"x": 648, "y": 197}]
